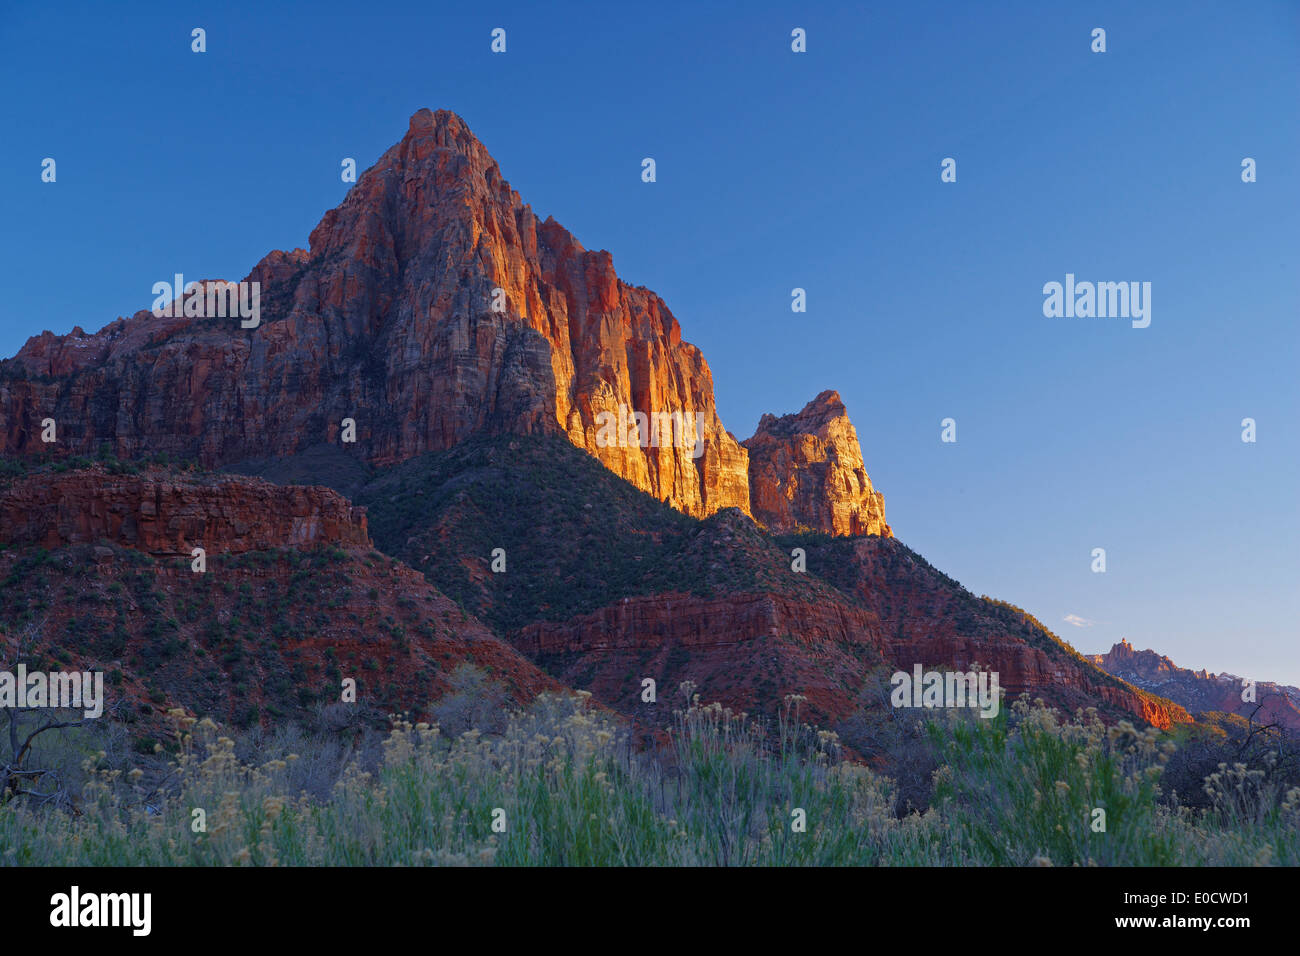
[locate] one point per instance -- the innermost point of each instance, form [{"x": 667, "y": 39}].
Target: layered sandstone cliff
[
  {"x": 170, "y": 513},
  {"x": 806, "y": 471}
]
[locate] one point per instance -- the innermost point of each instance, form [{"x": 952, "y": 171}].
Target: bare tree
[{"x": 18, "y": 776}]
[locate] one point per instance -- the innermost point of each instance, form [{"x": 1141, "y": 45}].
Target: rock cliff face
[
  {"x": 744, "y": 650},
  {"x": 433, "y": 304},
  {"x": 170, "y": 513},
  {"x": 1200, "y": 691},
  {"x": 684, "y": 620},
  {"x": 806, "y": 470}
]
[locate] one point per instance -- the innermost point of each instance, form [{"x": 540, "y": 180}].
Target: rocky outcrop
[
  {"x": 806, "y": 471},
  {"x": 688, "y": 621},
  {"x": 170, "y": 513},
  {"x": 744, "y": 650},
  {"x": 1200, "y": 691},
  {"x": 432, "y": 304}
]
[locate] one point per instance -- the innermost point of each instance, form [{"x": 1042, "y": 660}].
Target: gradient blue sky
[{"x": 778, "y": 170}]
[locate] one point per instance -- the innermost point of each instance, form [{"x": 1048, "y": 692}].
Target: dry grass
[{"x": 564, "y": 787}]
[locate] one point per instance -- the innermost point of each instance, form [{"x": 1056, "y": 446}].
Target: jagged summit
[
  {"x": 819, "y": 412},
  {"x": 430, "y": 305}
]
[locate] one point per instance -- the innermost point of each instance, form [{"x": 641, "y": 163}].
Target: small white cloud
[{"x": 1078, "y": 621}]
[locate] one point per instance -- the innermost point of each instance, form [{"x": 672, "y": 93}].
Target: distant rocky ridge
[
  {"x": 1200, "y": 691},
  {"x": 433, "y": 305}
]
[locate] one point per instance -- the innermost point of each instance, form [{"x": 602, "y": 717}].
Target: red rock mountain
[
  {"x": 1200, "y": 691},
  {"x": 436, "y": 311},
  {"x": 433, "y": 304}
]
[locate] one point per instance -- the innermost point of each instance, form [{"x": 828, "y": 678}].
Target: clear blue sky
[{"x": 778, "y": 170}]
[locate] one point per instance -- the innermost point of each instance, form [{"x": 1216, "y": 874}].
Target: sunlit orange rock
[{"x": 806, "y": 471}]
